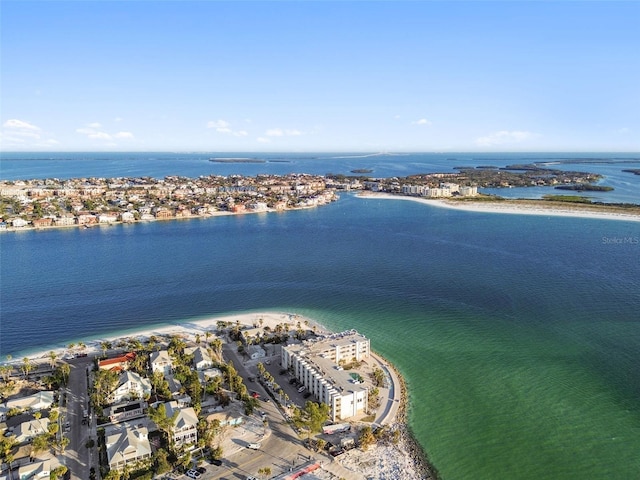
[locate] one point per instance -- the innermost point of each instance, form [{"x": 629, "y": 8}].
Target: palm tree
[
  {"x": 216, "y": 344},
  {"x": 5, "y": 372},
  {"x": 53, "y": 358},
  {"x": 265, "y": 472},
  {"x": 65, "y": 369},
  {"x": 105, "y": 345},
  {"x": 26, "y": 367}
]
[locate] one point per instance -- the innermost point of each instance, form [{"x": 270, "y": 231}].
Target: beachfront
[
  {"x": 401, "y": 458},
  {"x": 517, "y": 207}
]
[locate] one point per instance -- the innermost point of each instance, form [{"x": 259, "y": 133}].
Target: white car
[
  {"x": 301, "y": 389},
  {"x": 193, "y": 474},
  {"x": 254, "y": 446}
]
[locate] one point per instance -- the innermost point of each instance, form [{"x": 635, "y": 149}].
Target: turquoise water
[{"x": 518, "y": 335}]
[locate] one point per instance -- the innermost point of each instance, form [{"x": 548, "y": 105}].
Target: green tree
[
  {"x": 366, "y": 438},
  {"x": 311, "y": 417},
  {"x": 105, "y": 345},
  {"x": 27, "y": 367},
  {"x": 161, "y": 462},
  {"x": 62, "y": 444},
  {"x": 58, "y": 472},
  {"x": 53, "y": 359},
  {"x": 39, "y": 444},
  {"x": 105, "y": 382},
  {"x": 165, "y": 423},
  {"x": 265, "y": 472},
  {"x": 5, "y": 372},
  {"x": 64, "y": 371}
]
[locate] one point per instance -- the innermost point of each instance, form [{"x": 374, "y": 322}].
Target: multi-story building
[
  {"x": 126, "y": 445},
  {"x": 317, "y": 365}
]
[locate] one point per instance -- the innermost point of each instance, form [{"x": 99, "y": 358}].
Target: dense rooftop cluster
[{"x": 86, "y": 201}]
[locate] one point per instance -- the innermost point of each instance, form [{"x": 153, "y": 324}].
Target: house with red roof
[{"x": 118, "y": 363}]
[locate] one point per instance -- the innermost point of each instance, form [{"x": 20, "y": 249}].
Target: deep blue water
[{"x": 518, "y": 335}]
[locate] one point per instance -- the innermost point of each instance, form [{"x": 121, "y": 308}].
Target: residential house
[
  {"x": 19, "y": 223},
  {"x": 126, "y": 445},
  {"x": 125, "y": 412},
  {"x": 252, "y": 335},
  {"x": 201, "y": 358},
  {"x": 35, "y": 470},
  {"x": 42, "y": 222},
  {"x": 27, "y": 431},
  {"x": 117, "y": 363},
  {"x": 256, "y": 351},
  {"x": 130, "y": 386},
  {"x": 127, "y": 217},
  {"x": 36, "y": 402},
  {"x": 161, "y": 362},
  {"x": 186, "y": 421},
  {"x": 226, "y": 418}
]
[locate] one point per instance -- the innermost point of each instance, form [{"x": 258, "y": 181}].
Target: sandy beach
[
  {"x": 403, "y": 459},
  {"x": 516, "y": 207}
]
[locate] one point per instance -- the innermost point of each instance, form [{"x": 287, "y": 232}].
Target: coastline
[
  {"x": 516, "y": 207},
  {"x": 406, "y": 457}
]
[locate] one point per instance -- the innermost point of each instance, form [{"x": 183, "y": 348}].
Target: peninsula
[
  {"x": 245, "y": 395},
  {"x": 85, "y": 202}
]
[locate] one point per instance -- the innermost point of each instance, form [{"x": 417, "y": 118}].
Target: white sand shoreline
[
  {"x": 383, "y": 461},
  {"x": 509, "y": 208},
  {"x": 187, "y": 328}
]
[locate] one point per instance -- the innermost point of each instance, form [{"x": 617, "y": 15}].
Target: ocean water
[{"x": 518, "y": 335}]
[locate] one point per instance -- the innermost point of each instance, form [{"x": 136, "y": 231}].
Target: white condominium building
[{"x": 317, "y": 366}]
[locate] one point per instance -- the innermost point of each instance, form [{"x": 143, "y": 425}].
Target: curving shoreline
[
  {"x": 520, "y": 207},
  {"x": 406, "y": 458}
]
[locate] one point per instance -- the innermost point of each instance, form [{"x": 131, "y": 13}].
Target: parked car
[
  {"x": 301, "y": 389},
  {"x": 215, "y": 461},
  {"x": 254, "y": 446},
  {"x": 192, "y": 474},
  {"x": 201, "y": 470}
]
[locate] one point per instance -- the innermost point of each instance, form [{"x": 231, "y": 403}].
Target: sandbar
[{"x": 517, "y": 207}]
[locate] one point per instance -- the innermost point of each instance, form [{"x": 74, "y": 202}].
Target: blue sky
[{"x": 320, "y": 76}]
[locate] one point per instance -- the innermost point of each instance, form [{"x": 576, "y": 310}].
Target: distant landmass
[{"x": 236, "y": 160}]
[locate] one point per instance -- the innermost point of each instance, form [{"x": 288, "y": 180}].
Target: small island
[
  {"x": 236, "y": 160},
  {"x": 585, "y": 187}
]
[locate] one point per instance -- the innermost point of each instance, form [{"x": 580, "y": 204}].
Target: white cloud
[
  {"x": 93, "y": 132},
  {"x": 218, "y": 124},
  {"x": 279, "y": 132},
  {"x": 117, "y": 119},
  {"x": 222, "y": 126},
  {"x": 124, "y": 135},
  {"x": 422, "y": 121},
  {"x": 16, "y": 124},
  {"x": 263, "y": 140},
  {"x": 504, "y": 137},
  {"x": 21, "y": 134},
  {"x": 18, "y": 132}
]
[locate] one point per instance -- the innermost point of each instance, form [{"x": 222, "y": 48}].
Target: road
[
  {"x": 77, "y": 457},
  {"x": 281, "y": 450}
]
